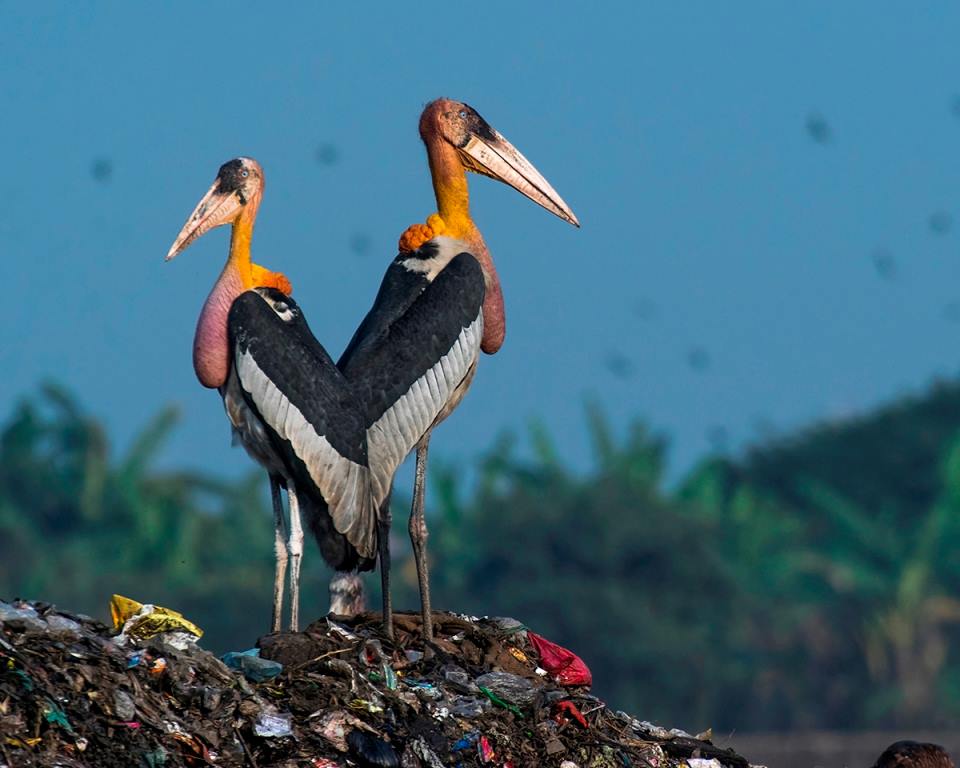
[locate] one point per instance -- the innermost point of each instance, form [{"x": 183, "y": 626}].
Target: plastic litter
[
  {"x": 156, "y": 758},
  {"x": 566, "y": 667},
  {"x": 139, "y": 622},
  {"x": 53, "y": 714},
  {"x": 343, "y": 696},
  {"x": 370, "y": 750},
  {"x": 466, "y": 742},
  {"x": 458, "y": 679},
  {"x": 272, "y": 726},
  {"x": 467, "y": 707},
  {"x": 63, "y": 625},
  {"x": 565, "y": 708},
  {"x": 334, "y": 727},
  {"x": 123, "y": 706},
  {"x": 389, "y": 677},
  {"x": 366, "y": 706},
  {"x": 158, "y": 666},
  {"x": 423, "y": 752},
  {"x": 255, "y": 669},
  {"x": 509, "y": 687},
  {"x": 500, "y": 702},
  {"x": 485, "y": 750},
  {"x": 24, "y": 619}
]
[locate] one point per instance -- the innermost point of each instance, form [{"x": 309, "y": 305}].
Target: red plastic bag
[
  {"x": 564, "y": 665},
  {"x": 565, "y": 708}
]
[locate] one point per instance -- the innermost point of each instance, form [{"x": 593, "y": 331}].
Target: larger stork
[
  {"x": 288, "y": 404},
  {"x": 440, "y": 303}
]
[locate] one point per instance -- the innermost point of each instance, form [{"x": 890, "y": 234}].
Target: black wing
[
  {"x": 398, "y": 290},
  {"x": 294, "y": 387},
  {"x": 407, "y": 366}
]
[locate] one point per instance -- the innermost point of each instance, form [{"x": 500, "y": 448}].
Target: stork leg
[
  {"x": 296, "y": 553},
  {"x": 383, "y": 546},
  {"x": 418, "y": 536},
  {"x": 279, "y": 550}
]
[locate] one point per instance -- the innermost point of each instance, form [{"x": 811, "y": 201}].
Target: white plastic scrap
[
  {"x": 26, "y": 616},
  {"x": 272, "y": 726},
  {"x": 58, "y": 623},
  {"x": 334, "y": 727},
  {"x": 340, "y": 630},
  {"x": 654, "y": 730},
  {"x": 426, "y": 755},
  {"x": 700, "y": 762},
  {"x": 180, "y": 640}
]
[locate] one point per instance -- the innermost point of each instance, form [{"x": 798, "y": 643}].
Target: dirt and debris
[{"x": 486, "y": 692}]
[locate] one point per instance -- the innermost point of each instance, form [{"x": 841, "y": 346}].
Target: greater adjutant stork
[
  {"x": 289, "y": 405},
  {"x": 440, "y": 303}
]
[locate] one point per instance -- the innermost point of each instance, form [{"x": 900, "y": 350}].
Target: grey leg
[
  {"x": 296, "y": 553},
  {"x": 418, "y": 536},
  {"x": 383, "y": 546},
  {"x": 279, "y": 550}
]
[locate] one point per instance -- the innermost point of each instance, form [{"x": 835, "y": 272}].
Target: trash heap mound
[{"x": 485, "y": 692}]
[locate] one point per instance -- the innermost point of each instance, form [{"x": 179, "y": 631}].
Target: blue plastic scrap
[
  {"x": 255, "y": 669},
  {"x": 466, "y": 742}
]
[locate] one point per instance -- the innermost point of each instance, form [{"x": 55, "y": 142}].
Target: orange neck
[
  {"x": 241, "y": 234},
  {"x": 211, "y": 353},
  {"x": 453, "y": 205},
  {"x": 240, "y": 263},
  {"x": 450, "y": 188}
]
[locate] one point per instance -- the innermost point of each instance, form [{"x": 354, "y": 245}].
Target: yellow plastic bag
[{"x": 142, "y": 621}]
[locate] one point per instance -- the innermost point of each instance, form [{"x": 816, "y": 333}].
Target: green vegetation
[{"x": 812, "y": 583}]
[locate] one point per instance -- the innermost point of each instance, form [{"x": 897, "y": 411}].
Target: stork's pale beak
[
  {"x": 489, "y": 153},
  {"x": 215, "y": 209}
]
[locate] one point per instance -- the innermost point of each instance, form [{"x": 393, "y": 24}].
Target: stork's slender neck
[
  {"x": 241, "y": 234},
  {"x": 211, "y": 353},
  {"x": 450, "y": 188},
  {"x": 453, "y": 205}
]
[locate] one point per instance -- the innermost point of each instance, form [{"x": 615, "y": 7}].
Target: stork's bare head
[
  {"x": 482, "y": 149},
  {"x": 238, "y": 186}
]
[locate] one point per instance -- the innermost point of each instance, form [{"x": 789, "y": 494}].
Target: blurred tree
[
  {"x": 76, "y": 527},
  {"x": 812, "y": 583}
]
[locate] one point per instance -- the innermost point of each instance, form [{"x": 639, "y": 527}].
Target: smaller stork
[{"x": 289, "y": 405}]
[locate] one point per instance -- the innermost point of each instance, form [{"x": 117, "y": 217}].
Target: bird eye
[
  {"x": 463, "y": 113},
  {"x": 244, "y": 173},
  {"x": 281, "y": 307}
]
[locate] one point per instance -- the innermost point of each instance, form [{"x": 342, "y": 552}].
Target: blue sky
[{"x": 732, "y": 270}]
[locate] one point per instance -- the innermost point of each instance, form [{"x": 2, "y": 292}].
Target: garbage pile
[{"x": 485, "y": 692}]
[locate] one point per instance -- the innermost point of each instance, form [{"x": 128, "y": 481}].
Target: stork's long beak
[
  {"x": 494, "y": 156},
  {"x": 215, "y": 209}
]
